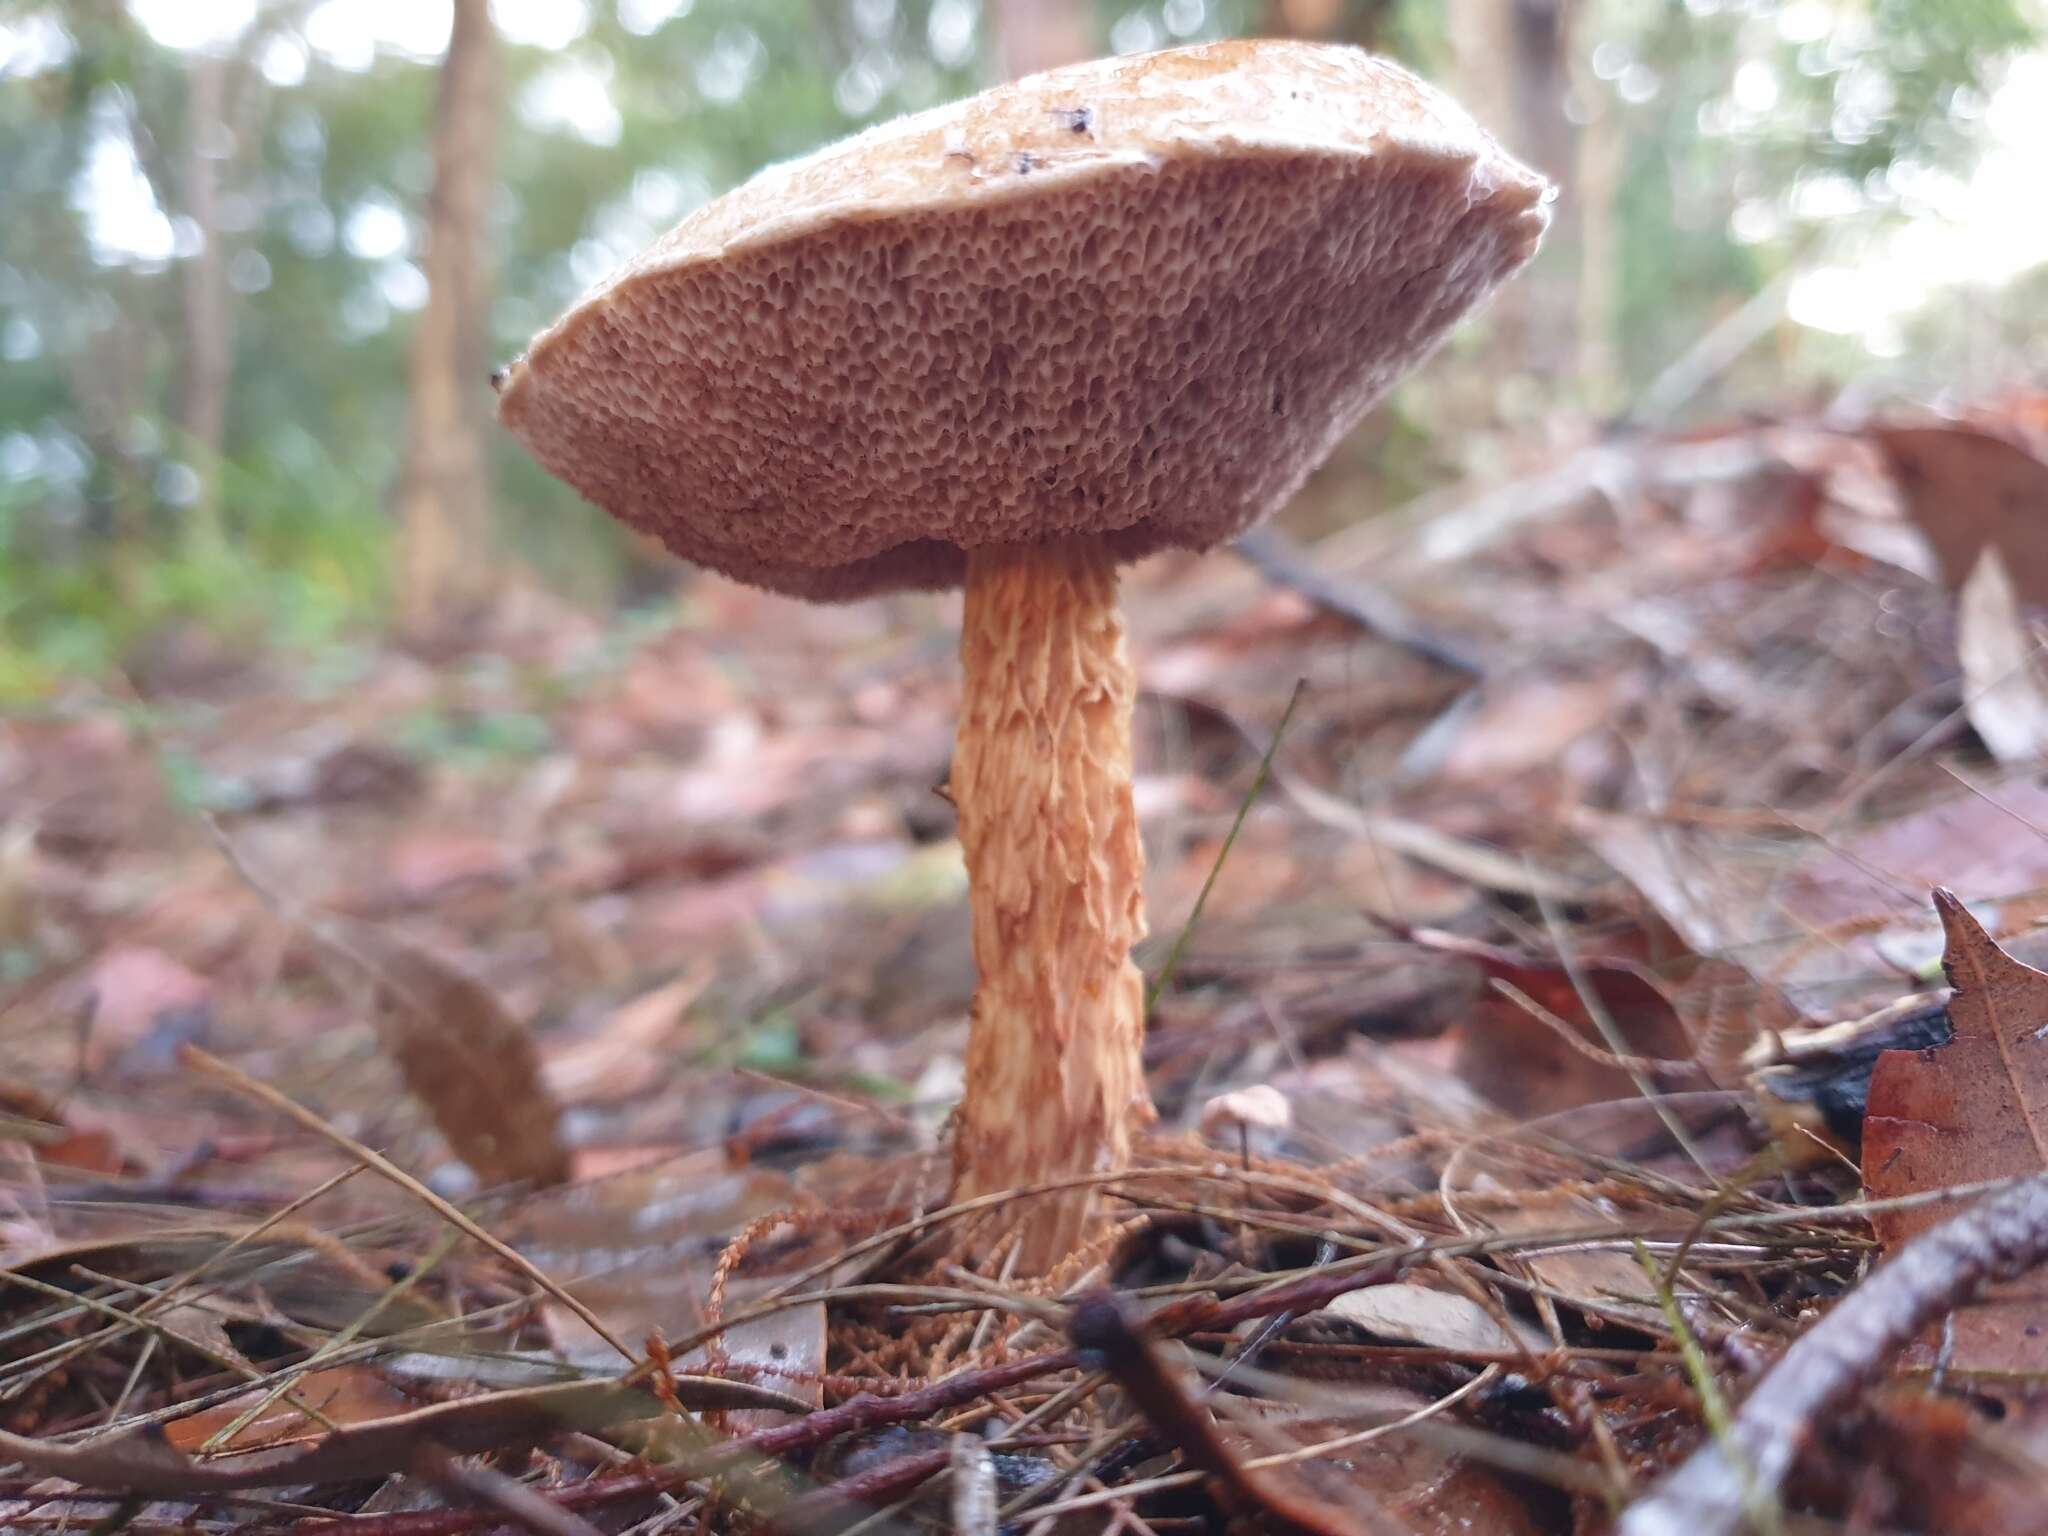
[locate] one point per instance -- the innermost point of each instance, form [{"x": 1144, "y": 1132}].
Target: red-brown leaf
[
  {"x": 1973, "y": 1109},
  {"x": 1970, "y": 490}
]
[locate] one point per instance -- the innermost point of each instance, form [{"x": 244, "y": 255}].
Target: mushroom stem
[{"x": 1042, "y": 782}]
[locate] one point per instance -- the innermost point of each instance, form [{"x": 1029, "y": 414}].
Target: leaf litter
[{"x": 637, "y": 956}]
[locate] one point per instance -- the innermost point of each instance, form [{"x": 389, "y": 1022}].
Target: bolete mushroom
[{"x": 1010, "y": 344}]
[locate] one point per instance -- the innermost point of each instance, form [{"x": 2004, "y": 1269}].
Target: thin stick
[
  {"x": 377, "y": 1163},
  {"x": 1312, "y": 1452},
  {"x": 1596, "y": 1010},
  {"x": 1932, "y": 1276},
  {"x": 1244, "y": 807}
]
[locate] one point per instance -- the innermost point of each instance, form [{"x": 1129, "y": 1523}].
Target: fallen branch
[{"x": 1932, "y": 1276}]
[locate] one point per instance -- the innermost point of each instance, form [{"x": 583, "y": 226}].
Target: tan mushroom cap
[{"x": 1142, "y": 298}]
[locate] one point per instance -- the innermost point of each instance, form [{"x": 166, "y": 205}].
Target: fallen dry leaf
[
  {"x": 344, "y": 1395},
  {"x": 1975, "y": 1108},
  {"x": 1438, "y": 1319},
  {"x": 632, "y": 1049},
  {"x": 467, "y": 1059},
  {"x": 1972, "y": 490},
  {"x": 60, "y": 1135},
  {"x": 2005, "y": 685},
  {"x": 1827, "y": 922},
  {"x": 1525, "y": 1065},
  {"x": 1529, "y": 722},
  {"x": 1396, "y": 1484}
]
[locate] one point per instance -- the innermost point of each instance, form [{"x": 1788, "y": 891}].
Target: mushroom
[{"x": 1009, "y": 345}]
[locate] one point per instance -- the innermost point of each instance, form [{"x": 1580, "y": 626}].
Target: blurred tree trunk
[
  {"x": 1032, "y": 35},
  {"x": 1513, "y": 74},
  {"x": 1347, "y": 21},
  {"x": 444, "y": 497},
  {"x": 202, "y": 406},
  {"x": 1596, "y": 189}
]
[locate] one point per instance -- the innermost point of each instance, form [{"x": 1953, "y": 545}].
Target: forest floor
[{"x": 392, "y": 1049}]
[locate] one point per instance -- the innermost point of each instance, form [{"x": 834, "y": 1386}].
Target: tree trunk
[
  {"x": 444, "y": 498},
  {"x": 202, "y": 408},
  {"x": 1339, "y": 21},
  {"x": 1032, "y": 35},
  {"x": 1511, "y": 60},
  {"x": 1596, "y": 189},
  {"x": 1544, "y": 136}
]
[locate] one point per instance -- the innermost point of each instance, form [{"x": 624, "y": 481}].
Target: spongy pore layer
[{"x": 1141, "y": 299}]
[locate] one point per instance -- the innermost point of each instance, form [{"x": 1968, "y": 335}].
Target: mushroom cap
[{"x": 1141, "y": 298}]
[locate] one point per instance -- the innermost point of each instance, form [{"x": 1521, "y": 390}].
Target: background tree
[
  {"x": 444, "y": 501},
  {"x": 1032, "y": 35},
  {"x": 217, "y": 230}
]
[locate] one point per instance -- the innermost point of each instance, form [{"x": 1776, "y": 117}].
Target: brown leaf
[
  {"x": 344, "y": 1395},
  {"x": 467, "y": 1059},
  {"x": 1403, "y": 1483},
  {"x": 639, "y": 1248},
  {"x": 1971, "y": 490},
  {"x": 2005, "y": 686},
  {"x": 633, "y": 1048},
  {"x": 1975, "y": 1108},
  {"x": 1828, "y": 936},
  {"x": 1526, "y": 1066},
  {"x": 1439, "y": 1319},
  {"x": 1530, "y": 723},
  {"x": 1944, "y": 1469},
  {"x": 60, "y": 1135}
]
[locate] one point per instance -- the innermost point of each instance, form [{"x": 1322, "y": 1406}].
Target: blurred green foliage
[{"x": 617, "y": 116}]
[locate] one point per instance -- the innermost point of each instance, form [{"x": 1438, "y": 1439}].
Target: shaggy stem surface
[{"x": 1042, "y": 783}]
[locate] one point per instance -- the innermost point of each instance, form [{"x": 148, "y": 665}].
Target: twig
[
  {"x": 1134, "y": 1449},
  {"x": 1711, "y": 355},
  {"x": 1930, "y": 1277},
  {"x": 1311, "y": 1452},
  {"x": 1378, "y": 612},
  {"x": 1180, "y": 940},
  {"x": 1104, "y": 1326},
  {"x": 830, "y": 1507},
  {"x": 510, "y": 1499}
]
